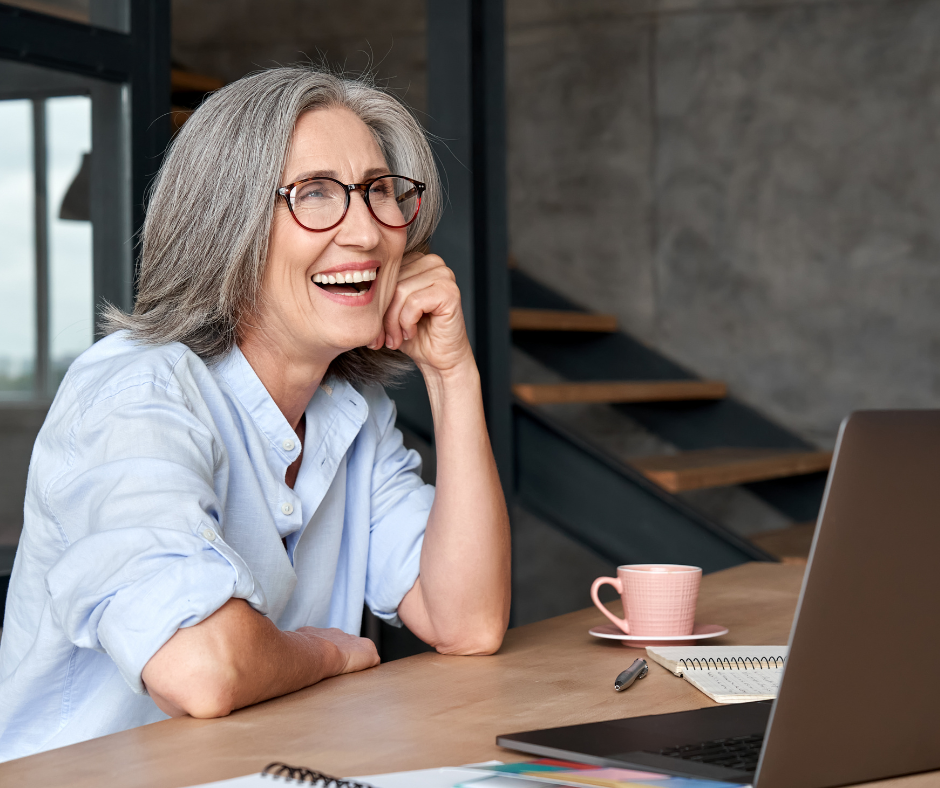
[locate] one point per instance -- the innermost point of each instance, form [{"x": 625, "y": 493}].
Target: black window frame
[{"x": 140, "y": 59}]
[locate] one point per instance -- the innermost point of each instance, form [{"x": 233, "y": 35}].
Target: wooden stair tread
[
  {"x": 790, "y": 545},
  {"x": 189, "y": 82},
  {"x": 560, "y": 320},
  {"x": 722, "y": 467},
  {"x": 619, "y": 391}
]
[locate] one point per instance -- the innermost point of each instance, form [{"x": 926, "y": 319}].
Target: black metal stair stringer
[{"x": 610, "y": 507}]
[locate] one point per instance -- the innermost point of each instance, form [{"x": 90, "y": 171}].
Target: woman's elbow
[
  {"x": 199, "y": 682},
  {"x": 198, "y": 693},
  {"x": 209, "y": 705},
  {"x": 481, "y": 642}
]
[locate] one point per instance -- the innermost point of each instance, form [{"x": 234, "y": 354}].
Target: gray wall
[
  {"x": 752, "y": 188},
  {"x": 19, "y": 425}
]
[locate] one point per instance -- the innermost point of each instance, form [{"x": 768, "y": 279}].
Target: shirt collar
[{"x": 331, "y": 395}]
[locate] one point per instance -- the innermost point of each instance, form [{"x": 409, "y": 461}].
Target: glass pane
[
  {"x": 68, "y": 168},
  {"x": 65, "y": 219},
  {"x": 111, "y": 14},
  {"x": 17, "y": 254}
]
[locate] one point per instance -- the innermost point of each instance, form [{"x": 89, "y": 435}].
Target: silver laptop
[{"x": 860, "y": 694}]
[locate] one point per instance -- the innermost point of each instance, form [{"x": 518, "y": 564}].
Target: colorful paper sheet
[{"x": 562, "y": 773}]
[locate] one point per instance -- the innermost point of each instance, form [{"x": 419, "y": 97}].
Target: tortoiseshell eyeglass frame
[{"x": 287, "y": 193}]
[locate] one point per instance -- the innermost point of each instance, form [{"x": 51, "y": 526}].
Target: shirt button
[
  {"x": 288, "y": 444},
  {"x": 209, "y": 535},
  {"x": 287, "y": 508}
]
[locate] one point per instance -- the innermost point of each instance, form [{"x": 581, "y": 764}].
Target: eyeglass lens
[{"x": 319, "y": 204}]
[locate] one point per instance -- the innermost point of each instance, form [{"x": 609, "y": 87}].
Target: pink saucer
[{"x": 699, "y": 632}]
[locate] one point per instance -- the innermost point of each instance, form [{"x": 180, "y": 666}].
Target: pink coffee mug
[{"x": 658, "y": 599}]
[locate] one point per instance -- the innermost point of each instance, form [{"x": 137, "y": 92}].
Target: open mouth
[{"x": 348, "y": 283}]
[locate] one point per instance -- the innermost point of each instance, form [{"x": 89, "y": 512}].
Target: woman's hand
[
  {"x": 353, "y": 653},
  {"x": 424, "y": 318}
]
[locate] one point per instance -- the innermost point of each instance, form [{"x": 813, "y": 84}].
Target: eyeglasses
[{"x": 321, "y": 203}]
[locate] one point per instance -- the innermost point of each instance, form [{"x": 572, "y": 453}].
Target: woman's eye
[{"x": 317, "y": 191}]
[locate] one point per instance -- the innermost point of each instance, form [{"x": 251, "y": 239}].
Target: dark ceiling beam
[{"x": 48, "y": 41}]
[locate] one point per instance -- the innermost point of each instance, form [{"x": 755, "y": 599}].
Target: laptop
[{"x": 860, "y": 694}]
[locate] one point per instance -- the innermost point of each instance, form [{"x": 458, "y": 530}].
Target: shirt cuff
[{"x": 173, "y": 580}]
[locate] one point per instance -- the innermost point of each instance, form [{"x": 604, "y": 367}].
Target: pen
[{"x": 637, "y": 670}]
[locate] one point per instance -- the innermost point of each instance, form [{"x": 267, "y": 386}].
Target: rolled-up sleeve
[
  {"x": 140, "y": 518},
  {"x": 401, "y": 503}
]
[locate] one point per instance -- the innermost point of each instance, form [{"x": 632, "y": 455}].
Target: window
[{"x": 62, "y": 203}]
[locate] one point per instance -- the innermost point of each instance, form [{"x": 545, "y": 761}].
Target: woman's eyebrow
[
  {"x": 370, "y": 173},
  {"x": 315, "y": 174}
]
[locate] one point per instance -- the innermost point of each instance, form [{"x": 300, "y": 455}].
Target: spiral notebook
[
  {"x": 727, "y": 674},
  {"x": 277, "y": 775}
]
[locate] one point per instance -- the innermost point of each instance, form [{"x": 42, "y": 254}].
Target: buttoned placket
[{"x": 290, "y": 509}]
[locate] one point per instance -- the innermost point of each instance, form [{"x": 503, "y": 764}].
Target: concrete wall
[{"x": 753, "y": 188}]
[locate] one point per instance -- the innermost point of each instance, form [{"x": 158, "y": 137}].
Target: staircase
[{"x": 630, "y": 511}]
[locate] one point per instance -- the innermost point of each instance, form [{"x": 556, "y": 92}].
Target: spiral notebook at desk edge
[{"x": 726, "y": 674}]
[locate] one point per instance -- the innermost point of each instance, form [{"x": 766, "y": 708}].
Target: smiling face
[{"x": 308, "y": 310}]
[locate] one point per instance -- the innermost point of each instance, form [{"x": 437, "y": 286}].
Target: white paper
[
  {"x": 737, "y": 686},
  {"x": 446, "y": 777}
]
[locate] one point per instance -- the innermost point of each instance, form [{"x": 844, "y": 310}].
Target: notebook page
[
  {"x": 423, "y": 778},
  {"x": 670, "y": 656},
  {"x": 736, "y": 686}
]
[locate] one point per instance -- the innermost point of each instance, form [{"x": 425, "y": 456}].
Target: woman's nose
[{"x": 359, "y": 228}]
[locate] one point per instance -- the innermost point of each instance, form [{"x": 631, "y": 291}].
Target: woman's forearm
[
  {"x": 460, "y": 603},
  {"x": 238, "y": 657}
]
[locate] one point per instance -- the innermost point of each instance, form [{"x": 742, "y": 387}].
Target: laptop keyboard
[{"x": 739, "y": 752}]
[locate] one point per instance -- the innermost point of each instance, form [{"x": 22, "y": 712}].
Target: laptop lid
[{"x": 860, "y": 696}]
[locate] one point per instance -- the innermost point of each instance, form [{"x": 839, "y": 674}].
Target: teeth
[{"x": 347, "y": 278}]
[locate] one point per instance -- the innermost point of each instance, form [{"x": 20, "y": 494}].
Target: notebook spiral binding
[
  {"x": 298, "y": 774},
  {"x": 732, "y": 663}
]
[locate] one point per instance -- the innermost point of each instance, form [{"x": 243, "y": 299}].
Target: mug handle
[{"x": 615, "y": 582}]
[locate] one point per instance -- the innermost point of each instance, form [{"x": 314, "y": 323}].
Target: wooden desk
[{"x": 430, "y": 710}]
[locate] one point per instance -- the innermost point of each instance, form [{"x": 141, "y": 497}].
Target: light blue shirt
[{"x": 156, "y": 493}]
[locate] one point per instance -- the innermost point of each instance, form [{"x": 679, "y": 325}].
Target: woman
[{"x": 219, "y": 484}]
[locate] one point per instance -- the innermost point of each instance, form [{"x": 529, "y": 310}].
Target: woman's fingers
[
  {"x": 416, "y": 306},
  {"x": 415, "y": 264},
  {"x": 419, "y": 274},
  {"x": 376, "y": 343}
]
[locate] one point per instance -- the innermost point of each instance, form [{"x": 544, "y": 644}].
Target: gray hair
[{"x": 203, "y": 253}]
